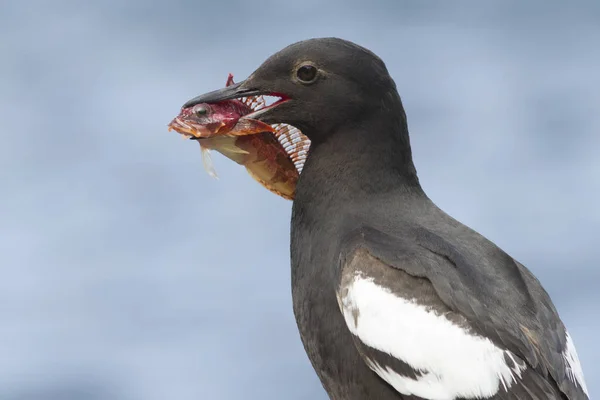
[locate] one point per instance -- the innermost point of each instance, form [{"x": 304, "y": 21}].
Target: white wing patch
[
  {"x": 574, "y": 370},
  {"x": 453, "y": 362}
]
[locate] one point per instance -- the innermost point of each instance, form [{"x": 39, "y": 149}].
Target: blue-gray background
[{"x": 127, "y": 273}]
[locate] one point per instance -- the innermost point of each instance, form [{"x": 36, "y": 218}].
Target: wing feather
[{"x": 443, "y": 280}]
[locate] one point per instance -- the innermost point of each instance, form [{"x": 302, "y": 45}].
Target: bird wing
[{"x": 432, "y": 324}]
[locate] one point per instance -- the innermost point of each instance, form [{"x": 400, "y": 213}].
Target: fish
[{"x": 273, "y": 155}]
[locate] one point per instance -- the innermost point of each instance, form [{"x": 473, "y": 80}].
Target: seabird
[{"x": 394, "y": 299}]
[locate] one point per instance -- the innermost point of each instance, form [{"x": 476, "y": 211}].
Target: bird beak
[{"x": 234, "y": 91}]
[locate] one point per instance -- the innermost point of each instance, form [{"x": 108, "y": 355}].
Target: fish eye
[
  {"x": 201, "y": 111},
  {"x": 306, "y": 73}
]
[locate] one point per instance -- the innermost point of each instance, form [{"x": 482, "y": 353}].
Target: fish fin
[
  {"x": 249, "y": 101},
  {"x": 207, "y": 162},
  {"x": 249, "y": 127},
  {"x": 295, "y": 144},
  {"x": 228, "y": 146},
  {"x": 256, "y": 102}
]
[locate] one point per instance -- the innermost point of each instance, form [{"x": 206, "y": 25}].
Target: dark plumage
[{"x": 394, "y": 299}]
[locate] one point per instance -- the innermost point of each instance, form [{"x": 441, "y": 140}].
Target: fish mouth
[
  {"x": 237, "y": 91},
  {"x": 182, "y": 128},
  {"x": 191, "y": 131}
]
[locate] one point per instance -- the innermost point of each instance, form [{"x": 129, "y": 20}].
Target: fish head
[
  {"x": 206, "y": 120},
  {"x": 218, "y": 119}
]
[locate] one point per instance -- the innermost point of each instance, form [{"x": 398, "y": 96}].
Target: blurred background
[{"x": 127, "y": 273}]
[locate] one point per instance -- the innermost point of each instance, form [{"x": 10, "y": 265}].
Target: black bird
[{"x": 395, "y": 299}]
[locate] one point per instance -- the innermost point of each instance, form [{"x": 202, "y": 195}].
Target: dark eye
[
  {"x": 201, "y": 111},
  {"x": 306, "y": 73}
]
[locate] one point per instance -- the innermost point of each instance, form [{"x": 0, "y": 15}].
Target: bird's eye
[
  {"x": 307, "y": 73},
  {"x": 201, "y": 111}
]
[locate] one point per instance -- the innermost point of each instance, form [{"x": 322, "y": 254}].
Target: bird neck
[{"x": 369, "y": 157}]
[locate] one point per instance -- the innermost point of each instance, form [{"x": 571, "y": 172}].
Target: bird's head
[{"x": 322, "y": 84}]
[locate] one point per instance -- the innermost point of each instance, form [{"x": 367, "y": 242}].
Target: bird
[{"x": 394, "y": 298}]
